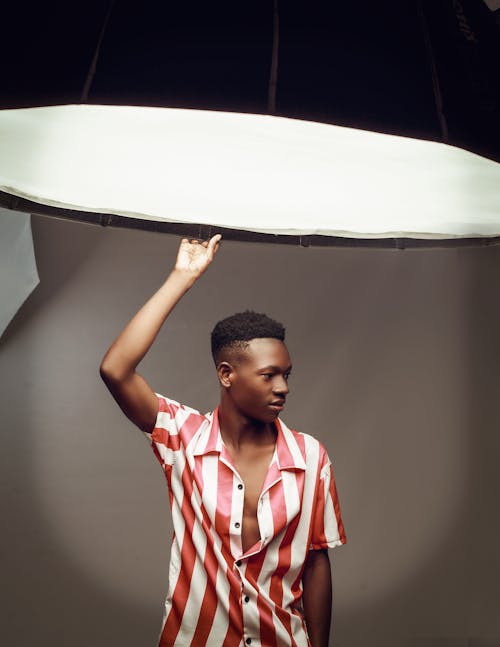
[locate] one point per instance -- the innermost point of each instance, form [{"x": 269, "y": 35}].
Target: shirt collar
[
  {"x": 289, "y": 454},
  {"x": 209, "y": 439}
]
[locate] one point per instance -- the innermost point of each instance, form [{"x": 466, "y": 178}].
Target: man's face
[{"x": 259, "y": 379}]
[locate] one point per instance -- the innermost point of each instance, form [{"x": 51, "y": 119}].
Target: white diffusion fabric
[
  {"x": 242, "y": 171},
  {"x": 18, "y": 273}
]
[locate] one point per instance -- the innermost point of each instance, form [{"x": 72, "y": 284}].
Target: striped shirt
[{"x": 219, "y": 595}]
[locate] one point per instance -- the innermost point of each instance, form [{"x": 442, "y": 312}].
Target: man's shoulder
[
  {"x": 312, "y": 449},
  {"x": 169, "y": 405},
  {"x": 178, "y": 418}
]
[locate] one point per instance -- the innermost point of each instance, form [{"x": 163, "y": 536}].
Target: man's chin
[
  {"x": 265, "y": 417},
  {"x": 272, "y": 416}
]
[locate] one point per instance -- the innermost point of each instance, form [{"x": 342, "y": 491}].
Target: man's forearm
[
  {"x": 317, "y": 597},
  {"x": 136, "y": 339}
]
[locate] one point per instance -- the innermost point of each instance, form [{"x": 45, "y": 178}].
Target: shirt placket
[
  {"x": 248, "y": 598},
  {"x": 237, "y": 502},
  {"x": 250, "y": 613}
]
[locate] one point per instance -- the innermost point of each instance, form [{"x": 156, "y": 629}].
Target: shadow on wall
[
  {"x": 48, "y": 598},
  {"x": 52, "y": 597},
  {"x": 462, "y": 571},
  {"x": 482, "y": 522}
]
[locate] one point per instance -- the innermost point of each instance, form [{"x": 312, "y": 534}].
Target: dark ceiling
[{"x": 384, "y": 66}]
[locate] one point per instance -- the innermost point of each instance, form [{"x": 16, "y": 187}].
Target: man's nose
[{"x": 281, "y": 387}]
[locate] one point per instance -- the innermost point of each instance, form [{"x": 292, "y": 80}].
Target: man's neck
[{"x": 238, "y": 430}]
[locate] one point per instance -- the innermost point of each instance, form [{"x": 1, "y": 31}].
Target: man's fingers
[
  {"x": 213, "y": 244},
  {"x": 215, "y": 239}
]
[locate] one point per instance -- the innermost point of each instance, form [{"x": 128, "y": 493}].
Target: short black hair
[{"x": 236, "y": 331}]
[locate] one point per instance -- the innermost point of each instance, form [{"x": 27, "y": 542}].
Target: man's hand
[{"x": 194, "y": 257}]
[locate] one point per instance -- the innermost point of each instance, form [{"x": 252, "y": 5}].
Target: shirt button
[
  {"x": 237, "y": 524},
  {"x": 246, "y": 598},
  {"x": 238, "y": 563},
  {"x": 248, "y": 641},
  {"x": 240, "y": 486}
]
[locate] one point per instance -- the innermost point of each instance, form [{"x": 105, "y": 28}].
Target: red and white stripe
[{"x": 210, "y": 578}]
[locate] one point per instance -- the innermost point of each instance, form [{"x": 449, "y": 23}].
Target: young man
[{"x": 254, "y": 504}]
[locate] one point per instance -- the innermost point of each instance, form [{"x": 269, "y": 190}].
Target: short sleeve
[
  {"x": 327, "y": 529},
  {"x": 173, "y": 427}
]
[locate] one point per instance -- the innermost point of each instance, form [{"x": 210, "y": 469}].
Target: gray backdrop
[{"x": 395, "y": 370}]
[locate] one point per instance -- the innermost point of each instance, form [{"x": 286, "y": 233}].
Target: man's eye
[
  {"x": 267, "y": 375},
  {"x": 287, "y": 376}
]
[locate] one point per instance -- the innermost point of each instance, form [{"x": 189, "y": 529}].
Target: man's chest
[
  {"x": 246, "y": 498},
  {"x": 252, "y": 467}
]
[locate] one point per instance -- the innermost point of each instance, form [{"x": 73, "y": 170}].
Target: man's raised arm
[{"x": 131, "y": 391}]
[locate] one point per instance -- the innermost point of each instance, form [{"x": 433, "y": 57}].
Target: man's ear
[{"x": 224, "y": 372}]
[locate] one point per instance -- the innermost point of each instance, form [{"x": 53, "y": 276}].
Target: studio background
[{"x": 395, "y": 357}]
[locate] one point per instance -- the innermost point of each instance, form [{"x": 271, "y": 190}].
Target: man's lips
[{"x": 277, "y": 404}]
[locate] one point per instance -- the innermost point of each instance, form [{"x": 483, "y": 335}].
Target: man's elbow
[{"x": 111, "y": 373}]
